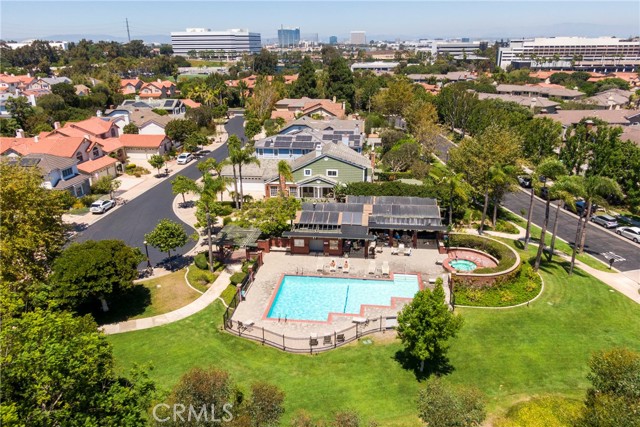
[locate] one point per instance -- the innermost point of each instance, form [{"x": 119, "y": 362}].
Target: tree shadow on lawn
[
  {"x": 435, "y": 366},
  {"x": 124, "y": 306}
]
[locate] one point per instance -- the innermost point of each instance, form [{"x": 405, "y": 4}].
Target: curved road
[
  {"x": 139, "y": 216},
  {"x": 598, "y": 239}
]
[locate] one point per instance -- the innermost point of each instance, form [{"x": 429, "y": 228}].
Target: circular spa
[{"x": 465, "y": 260}]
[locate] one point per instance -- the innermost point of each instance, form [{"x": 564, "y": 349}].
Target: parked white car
[
  {"x": 185, "y": 158},
  {"x": 632, "y": 233},
  {"x": 101, "y": 206}
]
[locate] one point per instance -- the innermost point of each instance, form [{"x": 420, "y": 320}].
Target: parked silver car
[
  {"x": 101, "y": 206},
  {"x": 185, "y": 158},
  {"x": 632, "y": 233},
  {"x": 605, "y": 220}
]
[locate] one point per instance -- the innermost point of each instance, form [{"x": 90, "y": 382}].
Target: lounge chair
[
  {"x": 346, "y": 266},
  {"x": 407, "y": 252},
  {"x": 401, "y": 248},
  {"x": 339, "y": 338},
  {"x": 332, "y": 266},
  {"x": 394, "y": 251},
  {"x": 385, "y": 268},
  {"x": 320, "y": 264},
  {"x": 326, "y": 340},
  {"x": 313, "y": 339},
  {"x": 372, "y": 267}
]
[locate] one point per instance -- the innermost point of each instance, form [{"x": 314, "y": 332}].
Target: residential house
[
  {"x": 144, "y": 146},
  {"x": 297, "y": 143},
  {"x": 5, "y": 96},
  {"x": 98, "y": 127},
  {"x": 452, "y": 76},
  {"x": 148, "y": 122},
  {"x": 612, "y": 99},
  {"x": 540, "y": 90},
  {"x": 45, "y": 83},
  {"x": 328, "y": 124},
  {"x": 59, "y": 173},
  {"x": 538, "y": 104},
  {"x": 158, "y": 89},
  {"x": 612, "y": 117},
  {"x": 631, "y": 133},
  {"x": 316, "y": 174},
  {"x": 130, "y": 86},
  {"x": 171, "y": 106},
  {"x": 290, "y": 109},
  {"x": 82, "y": 90}
]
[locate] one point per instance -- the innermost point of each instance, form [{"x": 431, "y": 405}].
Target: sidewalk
[{"x": 616, "y": 280}]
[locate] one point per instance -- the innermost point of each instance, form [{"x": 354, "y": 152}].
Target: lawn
[
  {"x": 509, "y": 354},
  {"x": 150, "y": 298}
]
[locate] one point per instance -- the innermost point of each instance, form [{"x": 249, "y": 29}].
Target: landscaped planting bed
[
  {"x": 499, "y": 251},
  {"x": 506, "y": 291}
]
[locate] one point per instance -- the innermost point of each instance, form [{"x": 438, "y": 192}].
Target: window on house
[
  {"x": 273, "y": 191},
  {"x": 307, "y": 172},
  {"x": 333, "y": 245},
  {"x": 298, "y": 243},
  {"x": 96, "y": 152},
  {"x": 79, "y": 156},
  {"x": 66, "y": 173},
  {"x": 332, "y": 172}
]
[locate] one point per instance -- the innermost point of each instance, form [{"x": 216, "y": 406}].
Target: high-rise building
[
  {"x": 203, "y": 39},
  {"x": 358, "y": 37},
  {"x": 333, "y": 40},
  {"x": 288, "y": 37},
  {"x": 581, "y": 53}
]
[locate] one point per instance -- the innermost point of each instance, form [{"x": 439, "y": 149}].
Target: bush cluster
[{"x": 237, "y": 278}]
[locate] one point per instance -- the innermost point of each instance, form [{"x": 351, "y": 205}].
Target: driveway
[{"x": 139, "y": 216}]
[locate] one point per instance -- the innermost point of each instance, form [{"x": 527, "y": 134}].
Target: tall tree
[
  {"x": 234, "y": 145},
  {"x": 167, "y": 236},
  {"x": 549, "y": 169},
  {"x": 242, "y": 157},
  {"x": 58, "y": 370},
  {"x": 422, "y": 118},
  {"x": 94, "y": 270},
  {"x": 455, "y": 104},
  {"x": 284, "y": 174},
  {"x": 208, "y": 206},
  {"x": 393, "y": 100},
  {"x": 442, "y": 405},
  {"x": 306, "y": 85},
  {"x": 20, "y": 110},
  {"x": 272, "y": 216},
  {"x": 613, "y": 400},
  {"x": 265, "y": 62},
  {"x": 265, "y": 96},
  {"x": 179, "y": 129},
  {"x": 565, "y": 191},
  {"x": 33, "y": 235},
  {"x": 425, "y": 324},
  {"x": 265, "y": 405},
  {"x": 340, "y": 81},
  {"x": 542, "y": 136}
]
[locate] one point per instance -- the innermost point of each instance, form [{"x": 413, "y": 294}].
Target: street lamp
[{"x": 146, "y": 249}]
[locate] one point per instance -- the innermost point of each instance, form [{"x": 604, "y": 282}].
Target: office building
[
  {"x": 358, "y": 38},
  {"x": 604, "y": 54},
  {"x": 202, "y": 39},
  {"x": 288, "y": 37},
  {"x": 333, "y": 40}
]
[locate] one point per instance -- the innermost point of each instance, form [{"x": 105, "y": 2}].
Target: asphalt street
[
  {"x": 130, "y": 222},
  {"x": 598, "y": 239}
]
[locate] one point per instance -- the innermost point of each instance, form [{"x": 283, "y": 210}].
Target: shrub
[
  {"x": 227, "y": 220},
  {"x": 237, "y": 278},
  {"x": 130, "y": 166},
  {"x": 87, "y": 200},
  {"x": 201, "y": 261},
  {"x": 202, "y": 277},
  {"x": 506, "y": 227},
  {"x": 68, "y": 199}
]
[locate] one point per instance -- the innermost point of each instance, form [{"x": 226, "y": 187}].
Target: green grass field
[{"x": 510, "y": 354}]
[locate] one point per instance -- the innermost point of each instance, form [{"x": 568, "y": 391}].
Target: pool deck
[{"x": 260, "y": 295}]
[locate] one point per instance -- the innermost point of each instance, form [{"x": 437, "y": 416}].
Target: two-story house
[
  {"x": 290, "y": 109},
  {"x": 130, "y": 86},
  {"x": 59, "y": 173},
  {"x": 45, "y": 83},
  {"x": 158, "y": 89},
  {"x": 297, "y": 143}
]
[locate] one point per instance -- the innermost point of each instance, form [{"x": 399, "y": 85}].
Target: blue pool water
[
  {"x": 463, "y": 265},
  {"x": 313, "y": 298}
]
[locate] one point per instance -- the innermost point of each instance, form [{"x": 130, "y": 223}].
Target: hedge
[
  {"x": 201, "y": 261},
  {"x": 237, "y": 278},
  {"x": 509, "y": 290}
]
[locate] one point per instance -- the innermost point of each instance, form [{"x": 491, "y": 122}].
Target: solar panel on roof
[
  {"x": 168, "y": 103},
  {"x": 303, "y": 138},
  {"x": 284, "y": 138},
  {"x": 29, "y": 162},
  {"x": 281, "y": 144},
  {"x": 327, "y": 137}
]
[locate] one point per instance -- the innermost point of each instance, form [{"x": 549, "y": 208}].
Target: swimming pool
[
  {"x": 313, "y": 298},
  {"x": 463, "y": 265}
]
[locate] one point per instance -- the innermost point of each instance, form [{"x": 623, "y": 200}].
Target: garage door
[{"x": 316, "y": 245}]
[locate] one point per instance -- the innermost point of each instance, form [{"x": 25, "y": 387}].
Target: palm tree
[
  {"x": 208, "y": 192},
  {"x": 241, "y": 157},
  {"x": 595, "y": 189},
  {"x": 565, "y": 192},
  {"x": 285, "y": 174},
  {"x": 234, "y": 146},
  {"x": 502, "y": 180},
  {"x": 548, "y": 169},
  {"x": 244, "y": 91}
]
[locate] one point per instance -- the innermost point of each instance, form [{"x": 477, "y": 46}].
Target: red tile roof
[
  {"x": 95, "y": 165},
  {"x": 190, "y": 103},
  {"x": 92, "y": 126}
]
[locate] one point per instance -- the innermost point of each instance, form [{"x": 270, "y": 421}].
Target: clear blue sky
[{"x": 30, "y": 19}]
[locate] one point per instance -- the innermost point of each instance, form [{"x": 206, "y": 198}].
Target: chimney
[
  {"x": 334, "y": 99},
  {"x": 32, "y": 100},
  {"x": 159, "y": 81},
  {"x": 19, "y": 133},
  {"x": 357, "y": 131},
  {"x": 36, "y": 139},
  {"x": 343, "y": 106},
  {"x": 318, "y": 150},
  {"x": 86, "y": 136},
  {"x": 589, "y": 124},
  {"x": 56, "y": 125},
  {"x": 373, "y": 159},
  {"x": 137, "y": 98},
  {"x": 98, "y": 113}
]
